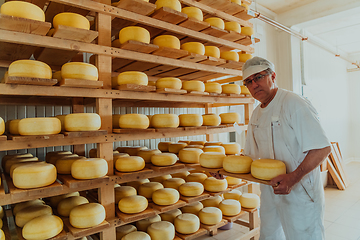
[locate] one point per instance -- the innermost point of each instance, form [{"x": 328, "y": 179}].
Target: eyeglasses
[{"x": 255, "y": 79}]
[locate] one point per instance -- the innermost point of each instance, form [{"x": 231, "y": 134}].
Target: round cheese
[
  {"x": 190, "y": 120},
  {"x": 31, "y": 212},
  {"x": 213, "y": 144},
  {"x": 237, "y": 164},
  {"x": 173, "y": 4},
  {"x": 2, "y": 126},
  {"x": 133, "y": 204},
  {"x": 231, "y": 88},
  {"x": 243, "y": 57},
  {"x": 233, "y": 181},
  {"x": 1, "y": 212},
  {"x": 230, "y": 207},
  {"x": 193, "y": 85},
  {"x": 250, "y": 200},
  {"x": 164, "y": 146},
  {"x": 89, "y": 168},
  {"x": 39, "y": 126},
  {"x": 71, "y": 20},
  {"x": 51, "y": 155},
  {"x": 165, "y": 121},
  {"x": 34, "y": 175},
  {"x": 211, "y": 119},
  {"x": 218, "y": 149},
  {"x": 182, "y": 175},
  {"x": 212, "y": 184},
  {"x": 245, "y": 90},
  {"x": 23, "y": 10},
  {"x": 176, "y": 147},
  {"x": 134, "y": 121},
  {"x": 193, "y": 208},
  {"x": 170, "y": 215},
  {"x": 17, "y": 155},
  {"x": 196, "y": 177},
  {"x": 193, "y": 12},
  {"x": 134, "y": 33},
  {"x": 131, "y": 77},
  {"x": 87, "y": 215},
  {"x": 168, "y": 82},
  {"x": 163, "y": 159},
  {"x": 79, "y": 70},
  {"x": 13, "y": 126},
  {"x": 42, "y": 227},
  {"x": 212, "y": 51},
  {"x": 267, "y": 169},
  {"x": 66, "y": 205},
  {"x": 195, "y": 146},
  {"x": 143, "y": 224},
  {"x": 137, "y": 236},
  {"x": 197, "y": 142},
  {"x": 54, "y": 201},
  {"x": 173, "y": 183},
  {"x": 191, "y": 189},
  {"x": 124, "y": 191},
  {"x": 147, "y": 189},
  {"x": 82, "y": 122},
  {"x": 231, "y": 148},
  {"x": 210, "y": 215},
  {"x": 190, "y": 155},
  {"x": 167, "y": 41},
  {"x": 230, "y": 118},
  {"x": 165, "y": 196},
  {"x": 136, "y": 184},
  {"x": 133, "y": 150},
  {"x": 161, "y": 179},
  {"x": 124, "y": 230},
  {"x": 216, "y": 22},
  {"x": 247, "y": 31},
  {"x": 213, "y": 87},
  {"x": 146, "y": 154},
  {"x": 162, "y": 230},
  {"x": 230, "y": 55},
  {"x": 187, "y": 223},
  {"x": 212, "y": 159},
  {"x": 63, "y": 165},
  {"x": 20, "y": 206},
  {"x": 194, "y": 47},
  {"x": 233, "y": 26},
  {"x": 29, "y": 68},
  {"x": 233, "y": 194},
  {"x": 12, "y": 161}
]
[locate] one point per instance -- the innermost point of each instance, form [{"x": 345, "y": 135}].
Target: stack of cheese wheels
[
  {"x": 229, "y": 55},
  {"x": 167, "y": 41},
  {"x": 87, "y": 215},
  {"x": 193, "y": 208},
  {"x": 117, "y": 156},
  {"x": 232, "y": 181},
  {"x": 216, "y": 22},
  {"x": 115, "y": 120},
  {"x": 36, "y": 126},
  {"x": 193, "y": 85},
  {"x": 164, "y": 146},
  {"x": 2, "y": 126},
  {"x": 212, "y": 184},
  {"x": 130, "y": 77},
  {"x": 233, "y": 194},
  {"x": 133, "y": 204},
  {"x": 231, "y": 148},
  {"x": 146, "y": 154},
  {"x": 219, "y": 149},
  {"x": 193, "y": 47},
  {"x": 190, "y": 155},
  {"x": 212, "y": 159},
  {"x": 212, "y": 87},
  {"x": 243, "y": 57},
  {"x": 248, "y": 31},
  {"x": 191, "y": 189},
  {"x": 133, "y": 150},
  {"x": 29, "y": 68},
  {"x": 143, "y": 224},
  {"x": 196, "y": 177},
  {"x": 249, "y": 200},
  {"x": 212, "y": 51},
  {"x": 165, "y": 121},
  {"x": 27, "y": 214},
  {"x": 137, "y": 235},
  {"x": 162, "y": 230},
  {"x": 89, "y": 168},
  {"x": 187, "y": 223},
  {"x": 210, "y": 215},
  {"x": 134, "y": 33},
  {"x": 245, "y": 90},
  {"x": 193, "y": 12},
  {"x": 165, "y": 196},
  {"x": 19, "y": 206},
  {"x": 42, "y": 227},
  {"x": 63, "y": 164},
  {"x": 12, "y": 161},
  {"x": 82, "y": 122},
  {"x": 124, "y": 191},
  {"x": 190, "y": 120},
  {"x": 137, "y": 184},
  {"x": 173, "y": 183},
  {"x": 79, "y": 70},
  {"x": 237, "y": 164},
  {"x": 182, "y": 175},
  {"x": 233, "y": 26},
  {"x": 230, "y": 118},
  {"x": 130, "y": 164},
  {"x": 267, "y": 169},
  {"x": 230, "y": 207},
  {"x": 169, "y": 82},
  {"x": 161, "y": 179},
  {"x": 71, "y": 20},
  {"x": 66, "y": 205},
  {"x": 170, "y": 215},
  {"x": 147, "y": 189},
  {"x": 124, "y": 230},
  {"x": 135, "y": 121},
  {"x": 23, "y": 10},
  {"x": 211, "y": 119},
  {"x": 176, "y": 147},
  {"x": 173, "y": 4},
  {"x": 34, "y": 175},
  {"x": 163, "y": 159},
  {"x": 231, "y": 88},
  {"x": 54, "y": 201}
]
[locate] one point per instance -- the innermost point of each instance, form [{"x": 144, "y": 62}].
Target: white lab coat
[{"x": 286, "y": 130}]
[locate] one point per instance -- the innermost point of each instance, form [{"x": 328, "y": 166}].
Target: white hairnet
[{"x": 256, "y": 65}]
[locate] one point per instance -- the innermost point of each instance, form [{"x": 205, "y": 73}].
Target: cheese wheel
[
  {"x": 230, "y": 207},
  {"x": 23, "y": 10},
  {"x": 163, "y": 159},
  {"x": 195, "y": 146},
  {"x": 124, "y": 191},
  {"x": 71, "y": 20},
  {"x": 115, "y": 120},
  {"x": 2, "y": 126},
  {"x": 124, "y": 230},
  {"x": 182, "y": 175},
  {"x": 190, "y": 120},
  {"x": 165, "y": 196},
  {"x": 133, "y": 204},
  {"x": 193, "y": 85},
  {"x": 247, "y": 31},
  {"x": 196, "y": 177},
  {"x": 212, "y": 51},
  {"x": 237, "y": 164},
  {"x": 173, "y": 183},
  {"x": 165, "y": 121},
  {"x": 51, "y": 155},
  {"x": 168, "y": 82},
  {"x": 87, "y": 215},
  {"x": 142, "y": 225},
  {"x": 210, "y": 215},
  {"x": 54, "y": 201},
  {"x": 250, "y": 200},
  {"x": 176, "y": 147},
  {"x": 12, "y": 161},
  {"x": 31, "y": 212},
  {"x": 170, "y": 215},
  {"x": 66, "y": 205},
  {"x": 39, "y": 126},
  {"x": 34, "y": 175},
  {"x": 131, "y": 77},
  {"x": 197, "y": 142},
  {"x": 1, "y": 212},
  {"x": 63, "y": 165},
  {"x": 161, "y": 179},
  {"x": 137, "y": 184},
  {"x": 187, "y": 223},
  {"x": 193, "y": 208},
  {"x": 164, "y": 146},
  {"x": 79, "y": 70},
  {"x": 89, "y": 168},
  {"x": 243, "y": 57},
  {"x": 191, "y": 189},
  {"x": 137, "y": 236},
  {"x": 190, "y": 155},
  {"x": 219, "y": 149},
  {"x": 134, "y": 33},
  {"x": 230, "y": 118},
  {"x": 133, "y": 150},
  {"x": 214, "y": 143},
  {"x": 147, "y": 189},
  {"x": 231, "y": 148},
  {"x": 42, "y": 227},
  {"x": 233, "y": 194},
  {"x": 134, "y": 121},
  {"x": 213, "y": 87},
  {"x": 14, "y": 166},
  {"x": 267, "y": 169},
  {"x": 17, "y": 155},
  {"x": 212, "y": 201},
  {"x": 231, "y": 89},
  {"x": 212, "y": 184},
  {"x": 193, "y": 12},
  {"x": 233, "y": 181},
  {"x": 245, "y": 90},
  {"x": 82, "y": 122},
  {"x": 212, "y": 159},
  {"x": 194, "y": 47},
  {"x": 146, "y": 154},
  {"x": 211, "y": 119},
  {"x": 13, "y": 126},
  {"x": 216, "y": 22},
  {"x": 167, "y": 41},
  {"x": 233, "y": 26},
  {"x": 229, "y": 55},
  {"x": 162, "y": 230},
  {"x": 20, "y": 206},
  {"x": 173, "y": 4}
]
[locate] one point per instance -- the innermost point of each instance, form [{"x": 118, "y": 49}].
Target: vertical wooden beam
[
  {"x": 254, "y": 222},
  {"x": 209, "y": 109},
  {"x": 249, "y": 107},
  {"x": 78, "y": 107}
]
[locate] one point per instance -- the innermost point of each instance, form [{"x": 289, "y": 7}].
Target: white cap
[{"x": 256, "y": 65}]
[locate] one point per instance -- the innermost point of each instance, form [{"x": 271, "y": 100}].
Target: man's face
[{"x": 261, "y": 85}]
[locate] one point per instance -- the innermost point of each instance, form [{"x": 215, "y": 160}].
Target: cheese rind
[
  {"x": 162, "y": 230},
  {"x": 243, "y": 57},
  {"x": 245, "y": 90},
  {"x": 34, "y": 175},
  {"x": 147, "y": 189},
  {"x": 167, "y": 41},
  {"x": 233, "y": 194},
  {"x": 194, "y": 47},
  {"x": 193, "y": 85},
  {"x": 146, "y": 154},
  {"x": 124, "y": 191},
  {"x": 193, "y": 12},
  {"x": 134, "y": 121},
  {"x": 196, "y": 177},
  {"x": 87, "y": 215},
  {"x": 79, "y": 70},
  {"x": 237, "y": 164},
  {"x": 216, "y": 22},
  {"x": 39, "y": 126},
  {"x": 233, "y": 181},
  {"x": 134, "y": 33},
  {"x": 212, "y": 51},
  {"x": 187, "y": 223},
  {"x": 137, "y": 236},
  {"x": 211, "y": 119},
  {"x": 42, "y": 227},
  {"x": 130, "y": 77},
  {"x": 249, "y": 200},
  {"x": 89, "y": 168},
  {"x": 193, "y": 208},
  {"x": 229, "y": 55},
  {"x": 233, "y": 26},
  {"x": 231, "y": 148},
  {"x": 163, "y": 159},
  {"x": 29, "y": 68},
  {"x": 211, "y": 87},
  {"x": 23, "y": 10},
  {"x": 219, "y": 149},
  {"x": 168, "y": 82},
  {"x": 165, "y": 121},
  {"x": 130, "y": 164},
  {"x": 212, "y": 159},
  {"x": 230, "y": 207},
  {"x": 72, "y": 20},
  {"x": 210, "y": 215},
  {"x": 173, "y": 183},
  {"x": 248, "y": 31},
  {"x": 267, "y": 169},
  {"x": 165, "y": 196},
  {"x": 173, "y": 4},
  {"x": 133, "y": 204},
  {"x": 63, "y": 165},
  {"x": 82, "y": 122},
  {"x": 2, "y": 126},
  {"x": 212, "y": 184},
  {"x": 230, "y": 118},
  {"x": 190, "y": 155},
  {"x": 231, "y": 88},
  {"x": 190, "y": 120},
  {"x": 191, "y": 189}
]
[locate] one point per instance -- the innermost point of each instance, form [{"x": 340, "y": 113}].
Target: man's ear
[{"x": 273, "y": 76}]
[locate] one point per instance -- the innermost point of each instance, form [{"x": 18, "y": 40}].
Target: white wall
[{"x": 354, "y": 117}]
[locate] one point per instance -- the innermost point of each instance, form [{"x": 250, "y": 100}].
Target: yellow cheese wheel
[
  {"x": 2, "y": 235},
  {"x": 193, "y": 208},
  {"x": 57, "y": 74},
  {"x": 124, "y": 230},
  {"x": 230, "y": 55},
  {"x": 130, "y": 164},
  {"x": 194, "y": 47},
  {"x": 211, "y": 119},
  {"x": 12, "y": 161},
  {"x": 248, "y": 31},
  {"x": 212, "y": 51},
  {"x": 176, "y": 147},
  {"x": 165, "y": 196},
  {"x": 245, "y": 6},
  {"x": 173, "y": 4},
  {"x": 147, "y": 153},
  {"x": 137, "y": 236},
  {"x": 170, "y": 215},
  {"x": 27, "y": 214},
  {"x": 66, "y": 205},
  {"x": 14, "y": 166},
  {"x": 214, "y": 143},
  {"x": 134, "y": 33},
  {"x": 233, "y": 194},
  {"x": 42, "y": 227},
  {"x": 193, "y": 85},
  {"x": 230, "y": 207},
  {"x": 187, "y": 223},
  {"x": 167, "y": 41},
  {"x": 161, "y": 179},
  {"x": 237, "y": 164},
  {"x": 79, "y": 70},
  {"x": 136, "y": 184},
  {"x": 219, "y": 149},
  {"x": 50, "y": 155},
  {"x": 115, "y": 120},
  {"x": 165, "y": 121},
  {"x": 212, "y": 87},
  {"x": 216, "y": 22},
  {"x": 193, "y": 12},
  {"x": 233, "y": 26},
  {"x": 131, "y": 77},
  {"x": 17, "y": 155},
  {"x": 196, "y": 177},
  {"x": 231, "y": 148},
  {"x": 243, "y": 57},
  {"x": 133, "y": 150},
  {"x": 2, "y": 126},
  {"x": 267, "y": 169},
  {"x": 245, "y": 90},
  {"x": 164, "y": 146},
  {"x": 34, "y": 175},
  {"x": 72, "y": 20},
  {"x": 1, "y": 212},
  {"x": 173, "y": 183},
  {"x": 63, "y": 165},
  {"x": 143, "y": 224},
  {"x": 233, "y": 181},
  {"x": 250, "y": 200},
  {"x": 212, "y": 184},
  {"x": 231, "y": 88},
  {"x": 89, "y": 168},
  {"x": 133, "y": 204},
  {"x": 39, "y": 126},
  {"x": 87, "y": 215},
  {"x": 229, "y": 118},
  {"x": 20, "y": 206},
  {"x": 54, "y": 201},
  {"x": 162, "y": 230},
  {"x": 212, "y": 159},
  {"x": 23, "y": 10},
  {"x": 210, "y": 215},
  {"x": 147, "y": 189},
  {"x": 190, "y": 155},
  {"x": 182, "y": 175},
  {"x": 191, "y": 189},
  {"x": 168, "y": 82},
  {"x": 190, "y": 120},
  {"x": 134, "y": 121},
  {"x": 82, "y": 122},
  {"x": 124, "y": 191},
  {"x": 163, "y": 159},
  {"x": 13, "y": 126}
]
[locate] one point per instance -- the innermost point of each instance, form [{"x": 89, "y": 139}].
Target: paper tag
[{"x": 237, "y": 129}]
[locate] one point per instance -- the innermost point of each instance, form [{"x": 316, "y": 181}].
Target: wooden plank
[
  {"x": 3, "y": 138},
  {"x": 136, "y": 87},
  {"x": 234, "y": 218},
  {"x": 132, "y": 176},
  {"x": 29, "y": 81},
  {"x": 167, "y": 208},
  {"x": 245, "y": 41},
  {"x": 196, "y": 93},
  {"x": 128, "y": 218},
  {"x": 35, "y": 137},
  {"x": 82, "y": 232},
  {"x": 212, "y": 229},
  {"x": 61, "y": 236},
  {"x": 233, "y": 8},
  {"x": 194, "y": 24},
  {"x": 138, "y": 66},
  {"x": 80, "y": 83},
  {"x": 176, "y": 166},
  {"x": 215, "y": 31},
  {"x": 213, "y": 76},
  {"x": 73, "y": 183},
  {"x": 232, "y": 64},
  {"x": 192, "y": 236},
  {"x": 335, "y": 156},
  {"x": 212, "y": 61},
  {"x": 76, "y": 34},
  {"x": 137, "y": 6},
  {"x": 169, "y": 15},
  {"x": 12, "y": 51},
  {"x": 196, "y": 75},
  {"x": 245, "y": 15},
  {"x": 139, "y": 46},
  {"x": 54, "y": 8},
  {"x": 118, "y": 63},
  {"x": 337, "y": 179},
  {"x": 158, "y": 69},
  {"x": 176, "y": 72},
  {"x": 171, "y": 90},
  {"x": 53, "y": 56},
  {"x": 170, "y": 52},
  {"x": 24, "y": 25},
  {"x": 195, "y": 198},
  {"x": 193, "y": 57},
  {"x": 132, "y": 130},
  {"x": 86, "y": 133},
  {"x": 233, "y": 36}
]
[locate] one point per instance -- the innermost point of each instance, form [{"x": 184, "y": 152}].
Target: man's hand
[
  {"x": 283, "y": 184},
  {"x": 217, "y": 175}
]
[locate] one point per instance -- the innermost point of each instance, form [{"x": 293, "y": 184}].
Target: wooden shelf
[{"x": 83, "y": 232}]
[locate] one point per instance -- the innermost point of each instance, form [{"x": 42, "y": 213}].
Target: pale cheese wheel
[
  {"x": 87, "y": 215},
  {"x": 2, "y": 126},
  {"x": 165, "y": 121},
  {"x": 196, "y": 177},
  {"x": 34, "y": 175},
  {"x": 212, "y": 201},
  {"x": 133, "y": 204},
  {"x": 212, "y": 184},
  {"x": 237, "y": 164},
  {"x": 11, "y": 162},
  {"x": 187, "y": 223},
  {"x": 27, "y": 214},
  {"x": 247, "y": 31},
  {"x": 216, "y": 22},
  {"x": 191, "y": 189},
  {"x": 230, "y": 207},
  {"x": 193, "y": 208},
  {"x": 23, "y": 10},
  {"x": 219, "y": 149},
  {"x": 13, "y": 126},
  {"x": 161, "y": 179},
  {"x": 63, "y": 165},
  {"x": 213, "y": 87},
  {"x": 173, "y": 4},
  {"x": 194, "y": 47},
  {"x": 54, "y": 201},
  {"x": 162, "y": 230},
  {"x": 190, "y": 120},
  {"x": 230, "y": 118},
  {"x": 42, "y": 227},
  {"x": 164, "y": 146},
  {"x": 137, "y": 184},
  {"x": 82, "y": 122},
  {"x": 147, "y": 189},
  {"x": 250, "y": 200},
  {"x": 124, "y": 191},
  {"x": 89, "y": 168},
  {"x": 193, "y": 85},
  {"x": 212, "y": 159},
  {"x": 193, "y": 12},
  {"x": 211, "y": 119},
  {"x": 134, "y": 33},
  {"x": 212, "y": 51},
  {"x": 39, "y": 126},
  {"x": 130, "y": 164},
  {"x": 173, "y": 183},
  {"x": 66, "y": 205},
  {"x": 231, "y": 89},
  {"x": 19, "y": 206},
  {"x": 133, "y": 150},
  {"x": 190, "y": 155},
  {"x": 233, "y": 194},
  {"x": 165, "y": 196},
  {"x": 143, "y": 224},
  {"x": 79, "y": 70},
  {"x": 233, "y": 26},
  {"x": 243, "y": 57},
  {"x": 210, "y": 215},
  {"x": 182, "y": 175},
  {"x": 214, "y": 143},
  {"x": 115, "y": 120},
  {"x": 167, "y": 41},
  {"x": 71, "y": 20},
  {"x": 267, "y": 169},
  {"x": 137, "y": 236},
  {"x": 163, "y": 159},
  {"x": 176, "y": 147},
  {"x": 170, "y": 215},
  {"x": 131, "y": 77},
  {"x": 232, "y": 148},
  {"x": 229, "y": 55},
  {"x": 244, "y": 90},
  {"x": 124, "y": 230},
  {"x": 134, "y": 121},
  {"x": 146, "y": 154},
  {"x": 168, "y": 82},
  {"x": 232, "y": 181}
]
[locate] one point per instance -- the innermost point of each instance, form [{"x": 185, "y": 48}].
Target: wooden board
[
  {"x": 196, "y": 75},
  {"x": 250, "y": 210},
  {"x": 162, "y": 209},
  {"x": 170, "y": 52},
  {"x": 245, "y": 15},
  {"x": 71, "y": 182},
  {"x": 232, "y": 64},
  {"x": 128, "y": 218},
  {"x": 234, "y": 218},
  {"x": 139, "y": 46},
  {"x": 178, "y": 72},
  {"x": 158, "y": 69},
  {"x": 80, "y": 83},
  {"x": 195, "y": 235},
  {"x": 24, "y": 25},
  {"x": 30, "y": 81},
  {"x": 232, "y": 8},
  {"x": 76, "y": 34},
  {"x": 138, "y": 66},
  {"x": 245, "y": 41},
  {"x": 118, "y": 63},
  {"x": 212, "y": 61},
  {"x": 136, "y": 87},
  {"x": 35, "y": 137},
  {"x": 233, "y": 36},
  {"x": 133, "y": 176},
  {"x": 335, "y": 176},
  {"x": 12, "y": 51},
  {"x": 196, "y": 93},
  {"x": 234, "y": 95},
  {"x": 217, "y": 94},
  {"x": 194, "y": 199},
  {"x": 169, "y": 15},
  {"x": 61, "y": 236},
  {"x": 86, "y": 133},
  {"x": 213, "y": 228},
  {"x": 176, "y": 166},
  {"x": 336, "y": 158},
  {"x": 122, "y": 130},
  {"x": 215, "y": 31},
  {"x": 193, "y": 57},
  {"x": 82, "y": 232},
  {"x": 194, "y": 24},
  {"x": 56, "y": 57},
  {"x": 137, "y": 6},
  {"x": 171, "y": 90}
]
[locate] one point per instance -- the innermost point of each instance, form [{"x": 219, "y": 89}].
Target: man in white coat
[{"x": 286, "y": 127}]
